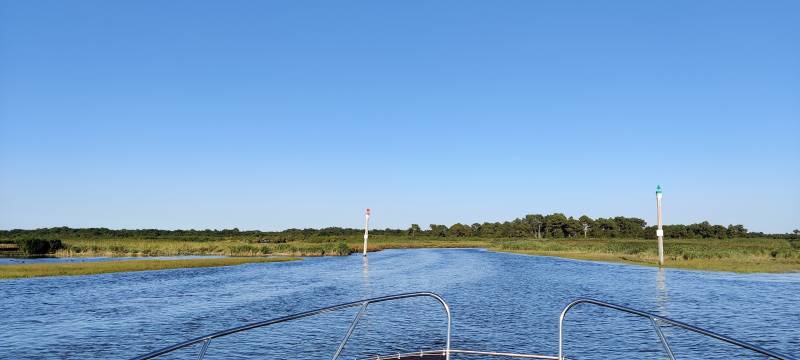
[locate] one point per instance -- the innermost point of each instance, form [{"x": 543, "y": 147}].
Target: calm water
[{"x": 500, "y": 302}]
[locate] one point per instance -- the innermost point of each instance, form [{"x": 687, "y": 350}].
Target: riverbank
[
  {"x": 732, "y": 255},
  {"x": 746, "y": 255},
  {"x": 102, "y": 267},
  {"x": 739, "y": 265}
]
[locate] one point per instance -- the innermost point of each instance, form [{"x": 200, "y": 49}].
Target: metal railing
[
  {"x": 205, "y": 340},
  {"x": 656, "y": 320}
]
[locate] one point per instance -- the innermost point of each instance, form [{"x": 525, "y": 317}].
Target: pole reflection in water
[
  {"x": 661, "y": 292},
  {"x": 365, "y": 273}
]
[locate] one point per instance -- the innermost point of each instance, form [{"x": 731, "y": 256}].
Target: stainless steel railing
[
  {"x": 656, "y": 320},
  {"x": 363, "y": 304}
]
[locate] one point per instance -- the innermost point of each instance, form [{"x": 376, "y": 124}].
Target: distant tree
[
  {"x": 586, "y": 223},
  {"x": 536, "y": 222},
  {"x": 476, "y": 229},
  {"x": 573, "y": 227},
  {"x": 604, "y": 228},
  {"x": 719, "y": 231},
  {"x": 458, "y": 230},
  {"x": 519, "y": 228},
  {"x": 673, "y": 231},
  {"x": 414, "y": 230},
  {"x": 438, "y": 230},
  {"x": 629, "y": 227},
  {"x": 701, "y": 230},
  {"x": 555, "y": 224},
  {"x": 735, "y": 231},
  {"x": 507, "y": 229},
  {"x": 491, "y": 229}
]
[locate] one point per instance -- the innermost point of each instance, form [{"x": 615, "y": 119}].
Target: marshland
[{"x": 700, "y": 246}]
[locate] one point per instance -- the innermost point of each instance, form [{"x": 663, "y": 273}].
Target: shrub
[
  {"x": 34, "y": 246},
  {"x": 56, "y": 244},
  {"x": 338, "y": 249},
  {"x": 342, "y": 249}
]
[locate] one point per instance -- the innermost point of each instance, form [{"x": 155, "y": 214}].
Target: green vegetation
[
  {"x": 101, "y": 267},
  {"x": 25, "y": 246},
  {"x": 176, "y": 247},
  {"x": 737, "y": 255},
  {"x": 552, "y": 226},
  {"x": 696, "y": 246},
  {"x": 740, "y": 255},
  {"x": 557, "y": 226},
  {"x": 33, "y": 246}
]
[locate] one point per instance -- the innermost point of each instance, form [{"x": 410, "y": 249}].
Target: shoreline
[
  {"x": 128, "y": 263},
  {"x": 739, "y": 267},
  {"x": 743, "y": 255},
  {"x": 23, "y": 271}
]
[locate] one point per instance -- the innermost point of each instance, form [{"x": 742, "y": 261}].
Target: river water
[{"x": 499, "y": 302}]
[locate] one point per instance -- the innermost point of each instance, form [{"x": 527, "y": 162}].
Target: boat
[{"x": 445, "y": 353}]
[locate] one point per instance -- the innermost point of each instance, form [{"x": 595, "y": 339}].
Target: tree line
[
  {"x": 552, "y": 226},
  {"x": 310, "y": 234},
  {"x": 558, "y": 225}
]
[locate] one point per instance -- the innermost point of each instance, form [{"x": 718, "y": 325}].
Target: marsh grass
[
  {"x": 101, "y": 267},
  {"x": 150, "y": 247},
  {"x": 737, "y": 255},
  {"x": 740, "y": 255}
]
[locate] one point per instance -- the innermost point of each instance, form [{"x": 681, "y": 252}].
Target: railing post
[
  {"x": 350, "y": 330},
  {"x": 561, "y": 331},
  {"x": 663, "y": 338},
  {"x": 202, "y": 353}
]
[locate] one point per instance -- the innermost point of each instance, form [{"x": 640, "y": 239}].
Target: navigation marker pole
[
  {"x": 366, "y": 230},
  {"x": 660, "y": 230}
]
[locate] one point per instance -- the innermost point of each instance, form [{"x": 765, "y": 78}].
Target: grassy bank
[
  {"x": 739, "y": 255},
  {"x": 102, "y": 267},
  {"x": 172, "y": 247},
  {"x": 736, "y": 255},
  {"x": 234, "y": 247}
]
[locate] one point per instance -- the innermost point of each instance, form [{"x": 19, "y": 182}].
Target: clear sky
[{"x": 276, "y": 114}]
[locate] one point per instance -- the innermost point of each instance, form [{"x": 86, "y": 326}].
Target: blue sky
[{"x": 277, "y": 114}]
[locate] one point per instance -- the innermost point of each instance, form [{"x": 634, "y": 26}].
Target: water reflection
[
  {"x": 365, "y": 273},
  {"x": 661, "y": 292}
]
